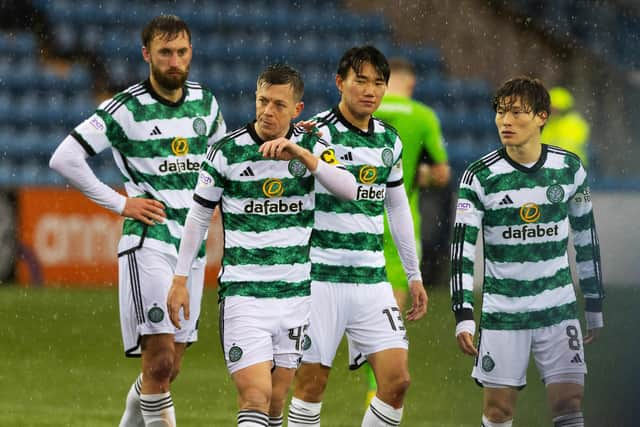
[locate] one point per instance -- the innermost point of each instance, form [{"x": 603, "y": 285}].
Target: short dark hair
[
  {"x": 401, "y": 65},
  {"x": 529, "y": 90},
  {"x": 355, "y": 57},
  {"x": 166, "y": 26},
  {"x": 282, "y": 74}
]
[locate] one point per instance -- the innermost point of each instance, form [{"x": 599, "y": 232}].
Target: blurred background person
[
  {"x": 425, "y": 167},
  {"x": 566, "y": 128},
  {"x": 424, "y": 163}
]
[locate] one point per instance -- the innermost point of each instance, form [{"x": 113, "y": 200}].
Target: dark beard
[{"x": 169, "y": 82}]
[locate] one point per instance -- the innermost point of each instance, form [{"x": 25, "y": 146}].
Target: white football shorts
[
  {"x": 368, "y": 314},
  {"x": 144, "y": 277},
  {"x": 503, "y": 356},
  {"x": 255, "y": 330}
]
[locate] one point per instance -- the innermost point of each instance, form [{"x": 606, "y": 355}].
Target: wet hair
[
  {"x": 402, "y": 65},
  {"x": 530, "y": 91},
  {"x": 167, "y": 27},
  {"x": 357, "y": 56},
  {"x": 281, "y": 74}
]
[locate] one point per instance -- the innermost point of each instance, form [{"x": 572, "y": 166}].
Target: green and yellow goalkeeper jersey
[
  {"x": 158, "y": 147},
  {"x": 525, "y": 215}
]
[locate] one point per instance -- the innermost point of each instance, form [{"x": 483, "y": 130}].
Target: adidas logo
[
  {"x": 506, "y": 200},
  {"x": 155, "y": 131},
  {"x": 247, "y": 172},
  {"x": 576, "y": 358},
  {"x": 347, "y": 156}
]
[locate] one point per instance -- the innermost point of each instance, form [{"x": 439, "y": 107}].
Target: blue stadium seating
[{"x": 232, "y": 41}]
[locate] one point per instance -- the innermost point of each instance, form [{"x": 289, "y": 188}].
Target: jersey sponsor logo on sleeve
[
  {"x": 180, "y": 146},
  {"x": 329, "y": 156},
  {"x": 463, "y": 206},
  {"x": 555, "y": 193},
  {"x": 97, "y": 123},
  {"x": 584, "y": 196},
  {"x": 205, "y": 180},
  {"x": 368, "y": 174},
  {"x": 387, "y": 157}
]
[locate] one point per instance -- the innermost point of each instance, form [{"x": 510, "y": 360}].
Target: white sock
[
  {"x": 575, "y": 419},
  {"x": 303, "y": 414},
  {"x": 132, "y": 416},
  {"x": 250, "y": 418},
  {"x": 487, "y": 423},
  {"x": 381, "y": 414},
  {"x": 158, "y": 410},
  {"x": 276, "y": 421}
]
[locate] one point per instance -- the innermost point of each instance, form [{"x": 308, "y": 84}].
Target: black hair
[
  {"x": 281, "y": 74},
  {"x": 166, "y": 26},
  {"x": 355, "y": 57},
  {"x": 530, "y": 91}
]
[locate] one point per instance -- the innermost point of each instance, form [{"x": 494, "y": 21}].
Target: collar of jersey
[
  {"x": 523, "y": 168},
  {"x": 161, "y": 100},
  {"x": 251, "y": 128},
  {"x": 351, "y": 127}
]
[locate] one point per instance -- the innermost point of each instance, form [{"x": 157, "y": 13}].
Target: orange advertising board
[{"x": 67, "y": 240}]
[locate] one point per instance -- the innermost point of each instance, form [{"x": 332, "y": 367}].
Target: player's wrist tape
[
  {"x": 468, "y": 326},
  {"x": 594, "y": 319}
]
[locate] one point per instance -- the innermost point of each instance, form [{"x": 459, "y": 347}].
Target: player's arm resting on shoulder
[
  {"x": 339, "y": 181},
  {"x": 402, "y": 231},
  {"x": 70, "y": 161},
  {"x": 195, "y": 228}
]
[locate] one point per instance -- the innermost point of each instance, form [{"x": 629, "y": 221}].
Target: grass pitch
[{"x": 62, "y": 365}]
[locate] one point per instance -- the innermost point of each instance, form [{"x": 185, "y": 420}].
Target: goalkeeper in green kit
[{"x": 419, "y": 130}]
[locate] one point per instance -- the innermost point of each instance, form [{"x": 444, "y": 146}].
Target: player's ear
[
  {"x": 299, "y": 108},
  {"x": 339, "y": 83},
  {"x": 542, "y": 117},
  {"x": 145, "y": 55}
]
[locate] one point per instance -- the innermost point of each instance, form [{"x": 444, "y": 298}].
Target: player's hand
[
  {"x": 592, "y": 335},
  {"x": 419, "y": 300},
  {"x": 178, "y": 298},
  {"x": 465, "y": 342},
  {"x": 310, "y": 127},
  {"x": 281, "y": 149},
  {"x": 148, "y": 211},
  {"x": 440, "y": 174}
]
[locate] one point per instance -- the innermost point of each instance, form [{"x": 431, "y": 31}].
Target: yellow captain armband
[{"x": 329, "y": 156}]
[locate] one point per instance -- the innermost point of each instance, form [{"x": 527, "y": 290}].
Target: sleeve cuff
[
  {"x": 593, "y": 304},
  {"x": 468, "y": 326},
  {"x": 594, "y": 320},
  {"x": 464, "y": 314}
]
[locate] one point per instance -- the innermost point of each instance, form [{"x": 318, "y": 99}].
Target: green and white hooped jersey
[
  {"x": 346, "y": 243},
  {"x": 525, "y": 216},
  {"x": 267, "y": 213},
  {"x": 158, "y": 147}
]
